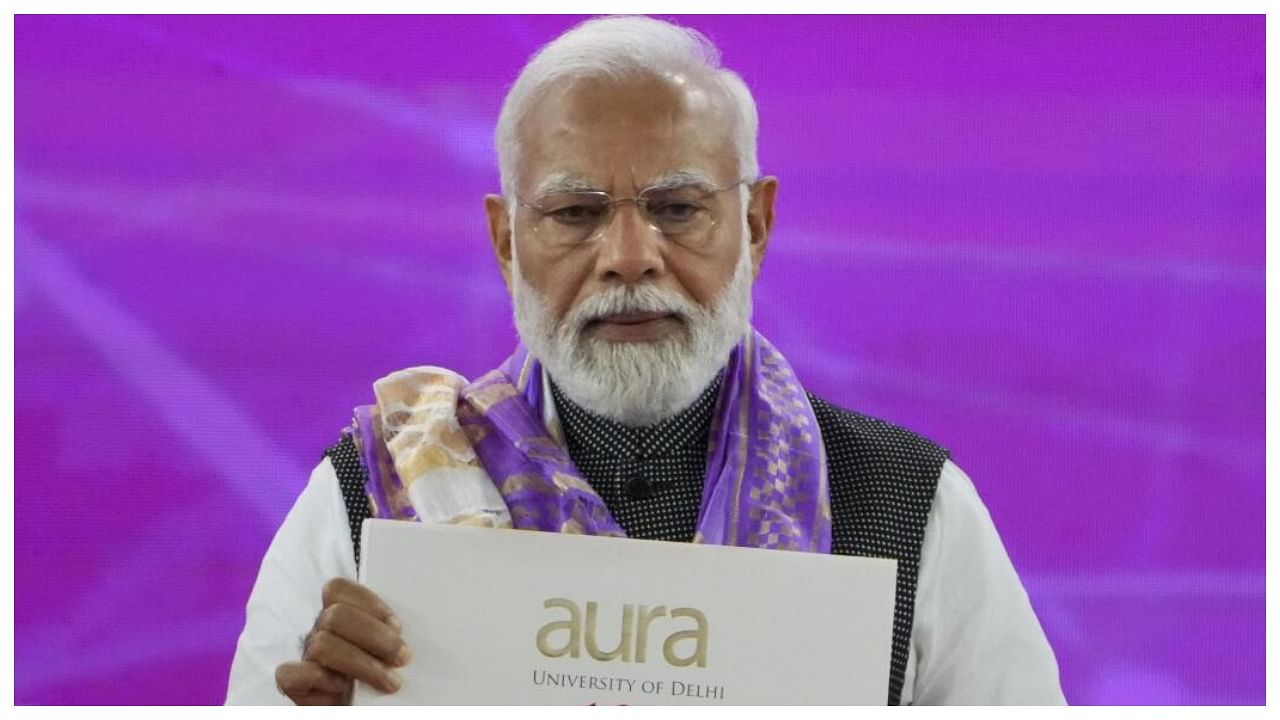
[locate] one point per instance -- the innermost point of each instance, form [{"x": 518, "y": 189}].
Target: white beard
[{"x": 635, "y": 383}]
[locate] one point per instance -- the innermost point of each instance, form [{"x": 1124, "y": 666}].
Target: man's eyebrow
[
  {"x": 682, "y": 178},
  {"x": 563, "y": 183},
  {"x": 566, "y": 183}
]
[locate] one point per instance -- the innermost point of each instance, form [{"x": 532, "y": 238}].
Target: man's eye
[
  {"x": 576, "y": 214},
  {"x": 675, "y": 212}
]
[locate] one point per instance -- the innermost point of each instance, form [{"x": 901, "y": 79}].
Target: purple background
[{"x": 1038, "y": 241}]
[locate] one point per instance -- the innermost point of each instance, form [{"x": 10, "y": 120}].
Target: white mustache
[{"x": 634, "y": 298}]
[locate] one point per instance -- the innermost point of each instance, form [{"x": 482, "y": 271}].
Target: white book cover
[{"x": 511, "y": 617}]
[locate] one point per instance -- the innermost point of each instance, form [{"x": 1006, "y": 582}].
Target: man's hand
[{"x": 355, "y": 637}]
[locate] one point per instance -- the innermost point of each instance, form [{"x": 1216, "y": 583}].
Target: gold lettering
[
  {"x": 623, "y": 648},
  {"x": 633, "y": 634},
  {"x": 573, "y": 626},
  {"x": 698, "y": 635},
  {"x": 645, "y": 616}
]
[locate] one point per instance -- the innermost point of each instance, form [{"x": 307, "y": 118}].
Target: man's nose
[{"x": 630, "y": 249}]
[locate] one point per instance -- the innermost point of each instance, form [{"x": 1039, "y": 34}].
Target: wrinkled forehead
[{"x": 623, "y": 135}]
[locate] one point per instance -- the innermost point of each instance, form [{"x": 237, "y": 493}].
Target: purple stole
[{"x": 766, "y": 483}]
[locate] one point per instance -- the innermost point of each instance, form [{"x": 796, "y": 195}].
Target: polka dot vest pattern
[
  {"x": 882, "y": 482},
  {"x": 882, "y": 479},
  {"x": 650, "y": 478},
  {"x": 352, "y": 477}
]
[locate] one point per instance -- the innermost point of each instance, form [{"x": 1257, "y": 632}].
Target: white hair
[{"x": 618, "y": 47}]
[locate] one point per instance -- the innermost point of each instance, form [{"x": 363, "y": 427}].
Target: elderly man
[{"x": 630, "y": 229}]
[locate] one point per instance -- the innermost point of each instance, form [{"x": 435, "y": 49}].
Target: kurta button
[{"x": 639, "y": 488}]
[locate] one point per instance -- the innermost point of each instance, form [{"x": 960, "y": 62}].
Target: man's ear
[
  {"x": 500, "y": 234},
  {"x": 760, "y": 217}
]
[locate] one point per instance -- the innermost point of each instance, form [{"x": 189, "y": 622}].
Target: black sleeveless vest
[{"x": 882, "y": 480}]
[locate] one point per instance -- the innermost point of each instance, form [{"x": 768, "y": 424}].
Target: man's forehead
[
  {"x": 625, "y": 134},
  {"x": 595, "y": 97}
]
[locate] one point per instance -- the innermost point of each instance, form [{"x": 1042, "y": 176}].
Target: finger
[
  {"x": 308, "y": 683},
  {"x": 366, "y": 632},
  {"x": 340, "y": 655},
  {"x": 349, "y": 592}
]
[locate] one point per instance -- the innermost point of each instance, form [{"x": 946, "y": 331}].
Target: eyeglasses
[{"x": 684, "y": 214}]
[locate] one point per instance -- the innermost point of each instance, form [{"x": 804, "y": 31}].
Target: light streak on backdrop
[{"x": 1038, "y": 241}]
